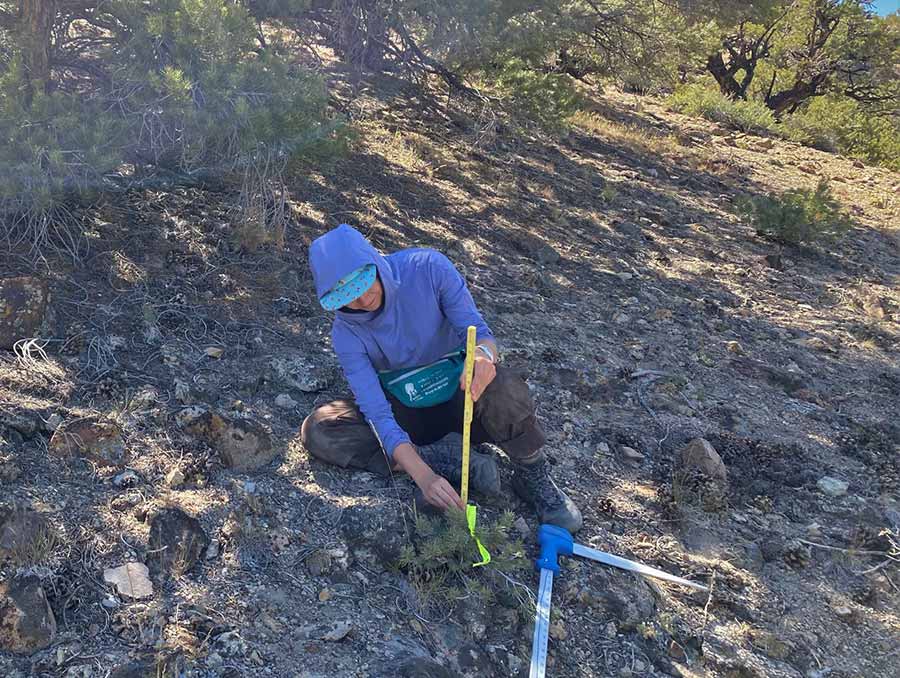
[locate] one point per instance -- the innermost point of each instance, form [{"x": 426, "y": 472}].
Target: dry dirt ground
[{"x": 613, "y": 269}]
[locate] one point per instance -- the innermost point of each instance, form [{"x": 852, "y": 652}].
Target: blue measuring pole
[{"x": 554, "y": 541}]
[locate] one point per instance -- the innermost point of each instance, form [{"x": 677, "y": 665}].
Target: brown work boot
[{"x": 532, "y": 483}]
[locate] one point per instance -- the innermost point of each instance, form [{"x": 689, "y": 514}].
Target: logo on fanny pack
[{"x": 411, "y": 391}]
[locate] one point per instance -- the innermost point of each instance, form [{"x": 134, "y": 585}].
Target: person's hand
[
  {"x": 436, "y": 490},
  {"x": 484, "y": 374},
  {"x": 440, "y": 493}
]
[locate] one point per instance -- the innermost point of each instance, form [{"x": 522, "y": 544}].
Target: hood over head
[{"x": 340, "y": 252}]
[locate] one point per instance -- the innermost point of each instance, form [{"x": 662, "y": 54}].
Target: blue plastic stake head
[{"x": 554, "y": 541}]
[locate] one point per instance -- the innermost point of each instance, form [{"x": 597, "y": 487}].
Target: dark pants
[{"x": 338, "y": 434}]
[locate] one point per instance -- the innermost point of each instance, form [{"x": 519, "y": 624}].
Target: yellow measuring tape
[{"x": 471, "y": 510}]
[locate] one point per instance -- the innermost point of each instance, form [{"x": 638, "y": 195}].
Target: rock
[
  {"x": 677, "y": 652},
  {"x": 624, "y": 597},
  {"x": 23, "y": 421},
  {"x": 176, "y": 542},
  {"x": 187, "y": 416},
  {"x": 859, "y": 164},
  {"x": 845, "y": 614},
  {"x": 833, "y": 487},
  {"x": 97, "y": 440},
  {"x": 558, "y": 631},
  {"x": 874, "y": 306},
  {"x": 374, "y": 531},
  {"x": 624, "y": 276},
  {"x": 242, "y": 444},
  {"x": 700, "y": 474},
  {"x": 25, "y": 535},
  {"x": 9, "y": 470},
  {"x": 630, "y": 454},
  {"x": 734, "y": 347},
  {"x": 753, "y": 557},
  {"x": 27, "y": 623},
  {"x": 772, "y": 546},
  {"x": 126, "y": 479},
  {"x": 774, "y": 261},
  {"x": 23, "y": 304},
  {"x": 471, "y": 661},
  {"x": 521, "y": 526},
  {"x": 285, "y": 402},
  {"x": 214, "y": 351},
  {"x": 546, "y": 255},
  {"x": 325, "y": 595},
  {"x": 771, "y": 644},
  {"x": 340, "y": 631},
  {"x": 131, "y": 580},
  {"x": 174, "y": 478},
  {"x": 296, "y": 373},
  {"x": 318, "y": 563}
]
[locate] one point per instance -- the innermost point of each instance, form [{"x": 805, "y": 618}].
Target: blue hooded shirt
[{"x": 426, "y": 311}]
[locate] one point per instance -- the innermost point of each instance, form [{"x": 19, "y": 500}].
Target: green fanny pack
[{"x": 428, "y": 385}]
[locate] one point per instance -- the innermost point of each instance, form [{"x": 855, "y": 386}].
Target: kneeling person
[{"x": 400, "y": 322}]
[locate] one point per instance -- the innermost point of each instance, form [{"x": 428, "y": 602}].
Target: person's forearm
[{"x": 407, "y": 458}]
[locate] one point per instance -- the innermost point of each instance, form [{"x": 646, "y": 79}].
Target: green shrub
[
  {"x": 698, "y": 100},
  {"x": 544, "y": 98},
  {"x": 439, "y": 562},
  {"x": 798, "y": 216},
  {"x": 838, "y": 124}
]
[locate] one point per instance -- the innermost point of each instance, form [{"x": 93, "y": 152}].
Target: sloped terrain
[{"x": 615, "y": 274}]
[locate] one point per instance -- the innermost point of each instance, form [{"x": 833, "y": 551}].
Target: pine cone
[
  {"x": 606, "y": 506},
  {"x": 763, "y": 502},
  {"x": 107, "y": 388},
  {"x": 667, "y": 502},
  {"x": 796, "y": 554},
  {"x": 693, "y": 487}
]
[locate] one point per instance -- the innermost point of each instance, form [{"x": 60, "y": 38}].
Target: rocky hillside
[{"x": 160, "y": 517}]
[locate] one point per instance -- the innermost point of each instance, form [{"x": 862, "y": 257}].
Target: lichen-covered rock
[
  {"x": 23, "y": 303},
  {"x": 25, "y": 535},
  {"x": 242, "y": 444},
  {"x": 177, "y": 542},
  {"x": 27, "y": 623},
  {"x": 374, "y": 532},
  {"x": 297, "y": 373},
  {"x": 617, "y": 595},
  {"x": 94, "y": 439}
]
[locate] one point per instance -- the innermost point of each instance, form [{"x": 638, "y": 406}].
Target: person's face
[{"x": 370, "y": 299}]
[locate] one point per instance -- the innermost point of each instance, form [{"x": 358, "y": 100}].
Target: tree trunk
[
  {"x": 36, "y": 23},
  {"x": 360, "y": 33},
  {"x": 789, "y": 100},
  {"x": 730, "y": 87}
]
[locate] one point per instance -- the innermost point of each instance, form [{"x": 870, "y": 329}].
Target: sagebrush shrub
[
  {"x": 747, "y": 116},
  {"x": 799, "y": 216}
]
